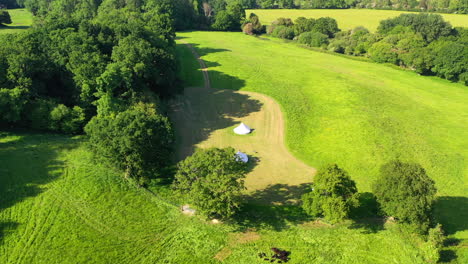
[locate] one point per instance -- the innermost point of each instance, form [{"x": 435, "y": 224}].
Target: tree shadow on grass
[
  {"x": 14, "y": 27},
  {"x": 272, "y": 217},
  {"x": 279, "y": 194},
  {"x": 200, "y": 112},
  {"x": 6, "y": 228},
  {"x": 28, "y": 162},
  {"x": 452, "y": 213}
]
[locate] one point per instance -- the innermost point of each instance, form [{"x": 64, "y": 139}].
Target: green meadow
[
  {"x": 21, "y": 18},
  {"x": 357, "y": 114},
  {"x": 346, "y": 18},
  {"x": 59, "y": 206}
]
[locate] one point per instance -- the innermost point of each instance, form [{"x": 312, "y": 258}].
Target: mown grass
[
  {"x": 346, "y": 18},
  {"x": 59, "y": 206},
  {"x": 21, "y": 18},
  {"x": 353, "y": 113}
]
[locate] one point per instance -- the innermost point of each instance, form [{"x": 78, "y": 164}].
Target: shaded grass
[
  {"x": 85, "y": 213},
  {"x": 21, "y": 18},
  {"x": 346, "y": 18},
  {"x": 357, "y": 114}
]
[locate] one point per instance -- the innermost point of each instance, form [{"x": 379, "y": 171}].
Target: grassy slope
[
  {"x": 59, "y": 206},
  {"x": 357, "y": 114},
  {"x": 346, "y": 18},
  {"x": 21, "y": 19}
]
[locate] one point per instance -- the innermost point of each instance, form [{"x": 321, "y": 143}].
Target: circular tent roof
[
  {"x": 240, "y": 156},
  {"x": 242, "y": 129}
]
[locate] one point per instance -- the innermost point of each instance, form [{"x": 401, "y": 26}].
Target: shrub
[
  {"x": 12, "y": 102},
  {"x": 38, "y": 114},
  {"x": 383, "y": 52},
  {"x": 67, "y": 120},
  {"x": 283, "y": 32},
  {"x": 313, "y": 39},
  {"x": 283, "y": 22}
]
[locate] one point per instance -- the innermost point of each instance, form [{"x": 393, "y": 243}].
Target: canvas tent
[
  {"x": 242, "y": 129},
  {"x": 240, "y": 156}
]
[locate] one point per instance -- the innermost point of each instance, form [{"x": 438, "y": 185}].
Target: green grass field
[
  {"x": 21, "y": 18},
  {"x": 58, "y": 206},
  {"x": 346, "y": 18},
  {"x": 353, "y": 113}
]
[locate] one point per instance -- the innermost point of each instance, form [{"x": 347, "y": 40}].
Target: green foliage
[
  {"x": 137, "y": 140},
  {"x": 333, "y": 195},
  {"x": 326, "y": 25},
  {"x": 383, "y": 52},
  {"x": 313, "y": 39},
  {"x": 67, "y": 120},
  {"x": 451, "y": 61},
  {"x": 430, "y": 26},
  {"x": 302, "y": 25},
  {"x": 406, "y": 192},
  {"x": 434, "y": 244},
  {"x": 224, "y": 21},
  {"x": 5, "y": 17},
  {"x": 252, "y": 26},
  {"x": 12, "y": 102},
  {"x": 283, "y": 32},
  {"x": 213, "y": 180}
]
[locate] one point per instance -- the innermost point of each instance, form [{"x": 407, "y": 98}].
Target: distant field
[
  {"x": 57, "y": 205},
  {"x": 21, "y": 19},
  {"x": 353, "y": 113},
  {"x": 346, "y": 18}
]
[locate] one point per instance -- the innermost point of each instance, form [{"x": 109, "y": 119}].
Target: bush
[
  {"x": 38, "y": 114},
  {"x": 224, "y": 21},
  {"x": 283, "y": 32},
  {"x": 12, "y": 102},
  {"x": 67, "y": 120},
  {"x": 405, "y": 192},
  {"x": 283, "y": 22},
  {"x": 383, "y": 52},
  {"x": 213, "y": 180},
  {"x": 313, "y": 39},
  {"x": 333, "y": 195}
]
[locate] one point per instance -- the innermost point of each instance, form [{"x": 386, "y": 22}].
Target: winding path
[{"x": 204, "y": 117}]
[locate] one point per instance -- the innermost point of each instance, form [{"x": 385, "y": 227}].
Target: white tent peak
[
  {"x": 242, "y": 129},
  {"x": 241, "y": 156}
]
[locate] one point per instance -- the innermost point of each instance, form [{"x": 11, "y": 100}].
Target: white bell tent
[{"x": 242, "y": 129}]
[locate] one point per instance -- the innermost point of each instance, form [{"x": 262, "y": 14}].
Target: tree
[
  {"x": 383, "y": 52},
  {"x": 224, "y": 21},
  {"x": 405, "y": 192},
  {"x": 5, "y": 17},
  {"x": 333, "y": 195},
  {"x": 137, "y": 140},
  {"x": 283, "y": 32},
  {"x": 326, "y": 25},
  {"x": 213, "y": 181},
  {"x": 313, "y": 39}
]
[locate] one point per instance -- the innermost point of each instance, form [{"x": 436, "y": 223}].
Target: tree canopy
[
  {"x": 333, "y": 195},
  {"x": 212, "y": 179},
  {"x": 405, "y": 192},
  {"x": 137, "y": 140}
]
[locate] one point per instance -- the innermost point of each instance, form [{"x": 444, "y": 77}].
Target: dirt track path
[{"x": 205, "y": 117}]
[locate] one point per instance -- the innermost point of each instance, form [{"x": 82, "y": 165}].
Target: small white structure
[
  {"x": 242, "y": 129},
  {"x": 187, "y": 210},
  {"x": 240, "y": 156}
]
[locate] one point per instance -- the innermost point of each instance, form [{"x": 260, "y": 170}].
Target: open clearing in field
[
  {"x": 21, "y": 18},
  {"x": 58, "y": 205},
  {"x": 205, "y": 117},
  {"x": 357, "y": 114},
  {"x": 346, "y": 18}
]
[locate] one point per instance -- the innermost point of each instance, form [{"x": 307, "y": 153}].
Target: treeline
[
  {"x": 200, "y": 10},
  {"x": 424, "y": 43},
  {"x": 102, "y": 67}
]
